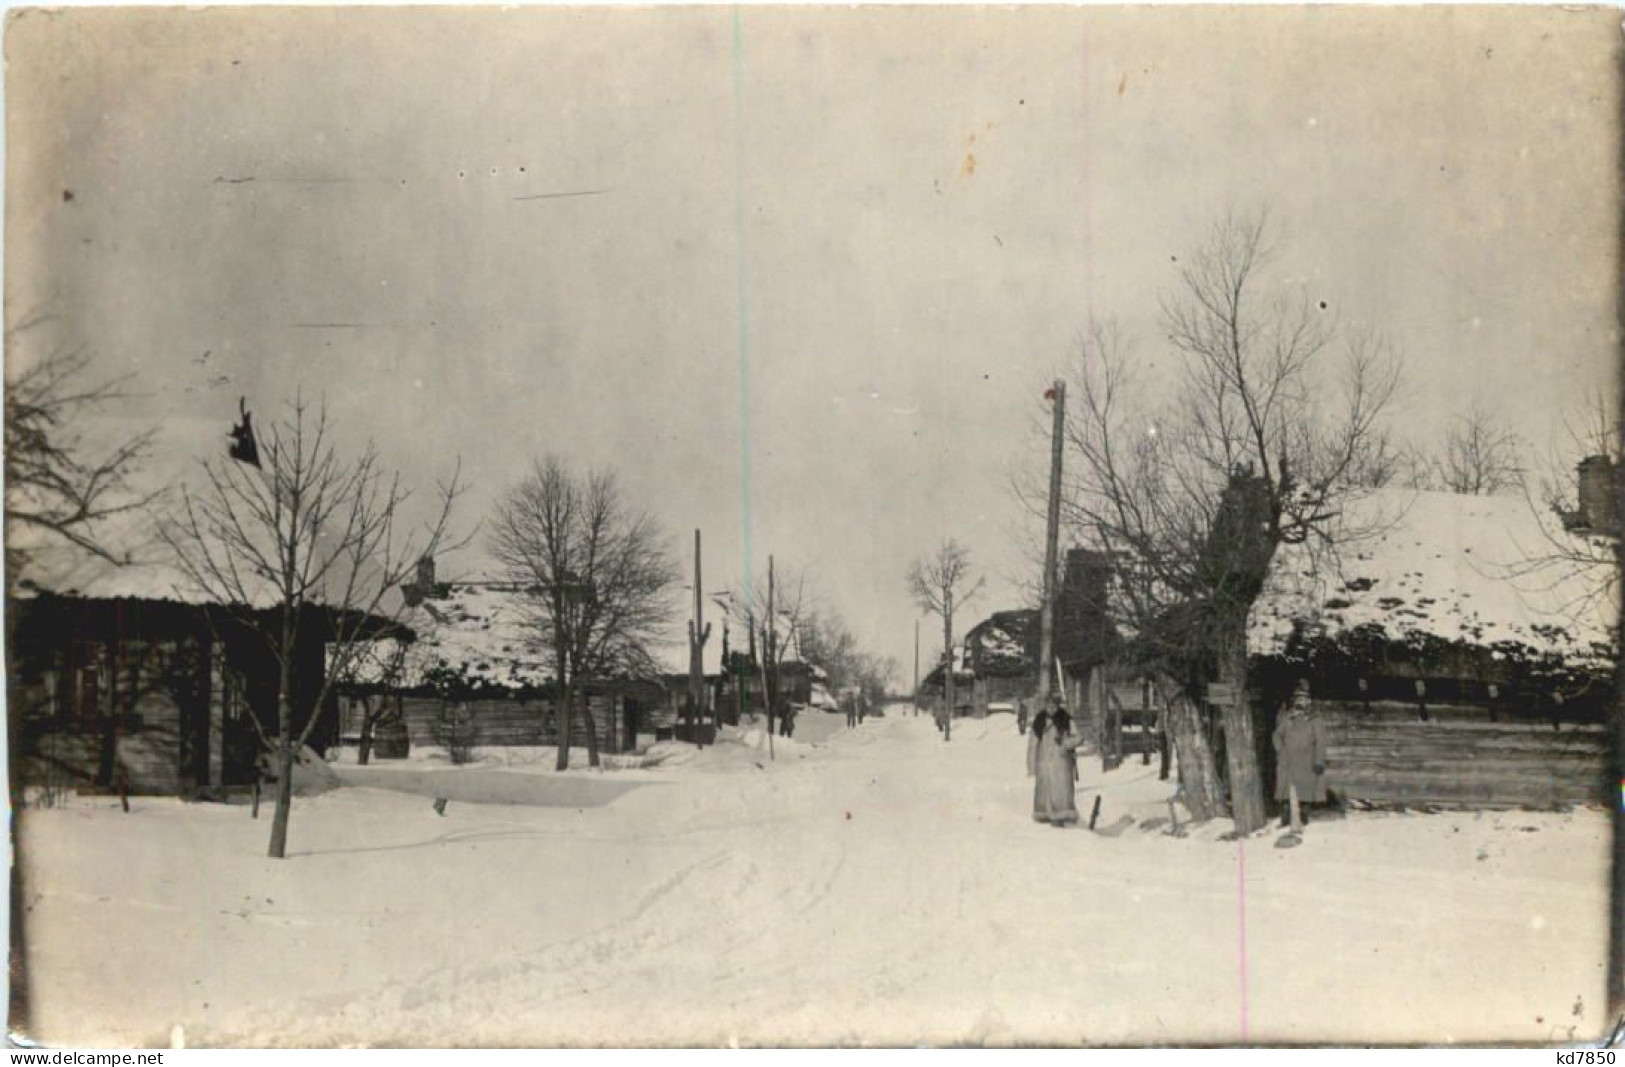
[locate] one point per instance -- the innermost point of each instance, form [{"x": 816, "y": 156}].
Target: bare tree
[
  {"x": 1578, "y": 550},
  {"x": 883, "y": 675},
  {"x": 780, "y": 610},
  {"x": 372, "y": 674},
  {"x": 1262, "y": 436},
  {"x": 602, "y": 577},
  {"x": 57, "y": 483},
  {"x": 305, "y": 550},
  {"x": 1480, "y": 455},
  {"x": 940, "y": 584},
  {"x": 828, "y": 641}
]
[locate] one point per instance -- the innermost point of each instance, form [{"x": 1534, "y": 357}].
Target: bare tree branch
[
  {"x": 600, "y": 572},
  {"x": 307, "y": 550},
  {"x": 1261, "y": 440},
  {"x": 56, "y": 483}
]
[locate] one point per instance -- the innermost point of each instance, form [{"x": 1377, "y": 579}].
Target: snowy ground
[{"x": 874, "y": 887}]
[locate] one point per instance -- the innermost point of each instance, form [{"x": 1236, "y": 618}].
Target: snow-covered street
[{"x": 875, "y": 887}]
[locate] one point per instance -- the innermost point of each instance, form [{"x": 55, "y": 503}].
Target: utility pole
[
  {"x": 916, "y": 666},
  {"x": 948, "y": 665},
  {"x": 698, "y": 633},
  {"x": 1052, "y": 533},
  {"x": 770, "y": 660}
]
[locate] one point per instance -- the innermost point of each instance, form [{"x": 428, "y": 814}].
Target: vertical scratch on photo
[
  {"x": 743, "y": 324},
  {"x": 1084, "y": 176},
  {"x": 1241, "y": 929}
]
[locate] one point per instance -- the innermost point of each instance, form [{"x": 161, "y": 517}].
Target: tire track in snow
[{"x": 458, "y": 999}]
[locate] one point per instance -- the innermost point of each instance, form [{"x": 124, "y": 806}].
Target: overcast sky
[{"x": 817, "y": 265}]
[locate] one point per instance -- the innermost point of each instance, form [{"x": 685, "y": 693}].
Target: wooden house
[
  {"x": 994, "y": 666},
  {"x": 476, "y": 673},
  {"x": 120, "y": 680},
  {"x": 933, "y": 688},
  {"x": 1461, "y": 651}
]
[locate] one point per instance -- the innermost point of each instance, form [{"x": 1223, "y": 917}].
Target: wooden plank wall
[
  {"x": 999, "y": 690},
  {"x": 1469, "y": 756},
  {"x": 511, "y": 721},
  {"x": 148, "y": 754}
]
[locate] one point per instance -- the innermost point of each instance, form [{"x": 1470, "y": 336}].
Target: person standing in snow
[
  {"x": 1034, "y": 739},
  {"x": 1300, "y": 754},
  {"x": 1051, "y": 758}
]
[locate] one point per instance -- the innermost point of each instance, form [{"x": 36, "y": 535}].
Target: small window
[{"x": 87, "y": 680}]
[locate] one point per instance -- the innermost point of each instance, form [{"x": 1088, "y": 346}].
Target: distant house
[
  {"x": 1002, "y": 653},
  {"x": 805, "y": 685},
  {"x": 933, "y": 687},
  {"x": 475, "y": 651},
  {"x": 119, "y": 678},
  {"x": 1463, "y": 652},
  {"x": 994, "y": 666},
  {"x": 997, "y": 663}
]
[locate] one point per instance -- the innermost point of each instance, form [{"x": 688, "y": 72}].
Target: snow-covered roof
[
  {"x": 144, "y": 571},
  {"x": 1484, "y": 571},
  {"x": 482, "y": 633},
  {"x": 1001, "y": 641}
]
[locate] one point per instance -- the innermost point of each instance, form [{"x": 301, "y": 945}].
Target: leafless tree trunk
[
  {"x": 783, "y": 602},
  {"x": 363, "y": 754},
  {"x": 380, "y": 668},
  {"x": 1198, "y": 785},
  {"x": 309, "y": 536},
  {"x": 1187, "y": 487},
  {"x": 591, "y": 725},
  {"x": 940, "y": 583}
]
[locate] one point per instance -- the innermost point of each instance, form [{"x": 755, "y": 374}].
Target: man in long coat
[{"x": 1300, "y": 752}]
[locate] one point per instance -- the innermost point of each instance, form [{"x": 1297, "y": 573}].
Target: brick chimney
[
  {"x": 1081, "y": 629},
  {"x": 422, "y": 585},
  {"x": 1599, "y": 504}
]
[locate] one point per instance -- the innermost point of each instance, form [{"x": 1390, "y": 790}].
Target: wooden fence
[{"x": 1462, "y": 756}]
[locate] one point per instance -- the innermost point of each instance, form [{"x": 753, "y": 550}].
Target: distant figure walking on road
[
  {"x": 851, "y": 711},
  {"x": 1051, "y": 762}
]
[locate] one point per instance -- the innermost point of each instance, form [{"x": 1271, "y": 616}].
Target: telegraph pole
[
  {"x": 698, "y": 633},
  {"x": 1052, "y": 533},
  {"x": 770, "y": 661},
  {"x": 948, "y": 664},
  {"x": 916, "y": 666}
]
